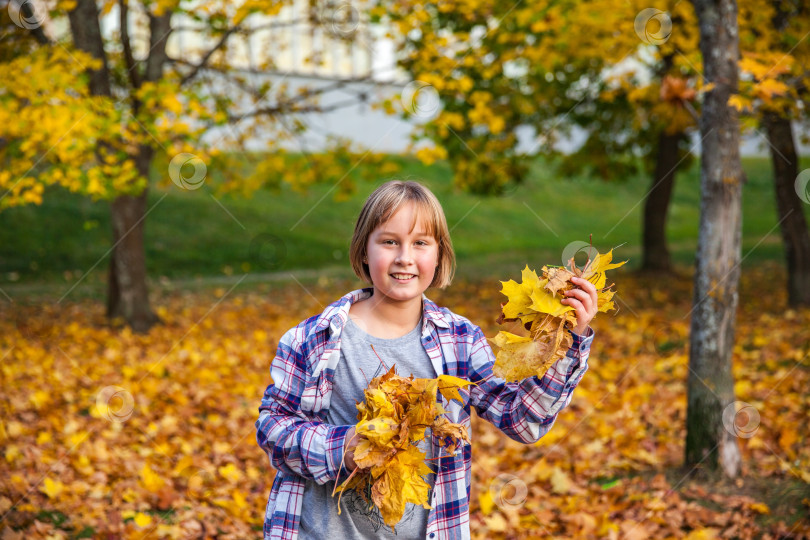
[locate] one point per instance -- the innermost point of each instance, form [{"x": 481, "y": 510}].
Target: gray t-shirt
[{"x": 358, "y": 365}]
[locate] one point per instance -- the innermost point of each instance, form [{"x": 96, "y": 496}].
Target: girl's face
[{"x": 401, "y": 261}]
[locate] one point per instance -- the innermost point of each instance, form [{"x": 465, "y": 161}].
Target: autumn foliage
[
  {"x": 173, "y": 454},
  {"x": 536, "y": 303},
  {"x": 395, "y": 416}
]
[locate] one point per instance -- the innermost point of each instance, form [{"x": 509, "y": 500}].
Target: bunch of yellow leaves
[
  {"x": 393, "y": 419},
  {"x": 537, "y": 304}
]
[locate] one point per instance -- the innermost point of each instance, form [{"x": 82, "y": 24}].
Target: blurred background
[{"x": 179, "y": 186}]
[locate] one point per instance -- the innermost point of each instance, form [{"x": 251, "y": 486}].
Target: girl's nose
[{"x": 404, "y": 257}]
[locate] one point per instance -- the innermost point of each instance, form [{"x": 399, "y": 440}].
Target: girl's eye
[{"x": 418, "y": 242}]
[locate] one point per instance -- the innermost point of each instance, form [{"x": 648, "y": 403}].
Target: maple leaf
[
  {"x": 519, "y": 294},
  {"x": 449, "y": 434},
  {"x": 394, "y": 417},
  {"x": 423, "y": 410},
  {"x": 401, "y": 482},
  {"x": 449, "y": 385},
  {"x": 537, "y": 303},
  {"x": 545, "y": 302},
  {"x": 379, "y": 430},
  {"x": 150, "y": 480},
  {"x": 558, "y": 278},
  {"x": 367, "y": 454},
  {"x": 595, "y": 270},
  {"x": 141, "y": 519},
  {"x": 523, "y": 356}
]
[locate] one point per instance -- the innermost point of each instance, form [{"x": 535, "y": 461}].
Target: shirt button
[{"x": 432, "y": 535}]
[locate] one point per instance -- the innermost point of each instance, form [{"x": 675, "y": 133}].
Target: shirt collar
[{"x": 336, "y": 313}]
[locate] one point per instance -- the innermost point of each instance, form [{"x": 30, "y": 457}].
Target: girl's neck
[{"x": 387, "y": 319}]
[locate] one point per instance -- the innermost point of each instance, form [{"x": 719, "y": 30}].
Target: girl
[{"x": 401, "y": 246}]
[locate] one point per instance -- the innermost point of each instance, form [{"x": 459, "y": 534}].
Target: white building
[{"x": 289, "y": 48}]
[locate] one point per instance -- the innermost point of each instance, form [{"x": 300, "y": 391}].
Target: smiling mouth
[{"x": 403, "y": 277}]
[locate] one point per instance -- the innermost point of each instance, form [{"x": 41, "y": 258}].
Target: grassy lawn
[{"x": 191, "y": 234}]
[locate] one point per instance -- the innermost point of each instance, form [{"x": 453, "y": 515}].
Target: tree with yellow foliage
[
  {"x": 775, "y": 77},
  {"x": 89, "y": 110},
  {"x": 629, "y": 74}
]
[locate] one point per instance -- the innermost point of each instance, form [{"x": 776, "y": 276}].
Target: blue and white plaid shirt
[{"x": 292, "y": 426}]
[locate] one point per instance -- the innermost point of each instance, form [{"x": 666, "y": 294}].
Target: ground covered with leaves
[{"x": 107, "y": 434}]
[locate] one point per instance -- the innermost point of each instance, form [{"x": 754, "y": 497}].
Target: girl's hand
[
  {"x": 348, "y": 449},
  {"x": 584, "y": 300}
]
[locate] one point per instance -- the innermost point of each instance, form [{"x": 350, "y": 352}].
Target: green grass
[{"x": 189, "y": 234}]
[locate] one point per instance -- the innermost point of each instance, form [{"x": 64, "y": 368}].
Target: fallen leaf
[
  {"x": 560, "y": 483},
  {"x": 52, "y": 488}
]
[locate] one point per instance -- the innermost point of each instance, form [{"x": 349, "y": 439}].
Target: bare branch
[
  {"x": 183, "y": 62},
  {"x": 339, "y": 84},
  {"x": 278, "y": 24},
  {"x": 208, "y": 55},
  {"x": 284, "y": 108},
  {"x": 268, "y": 26},
  {"x": 134, "y": 76}
]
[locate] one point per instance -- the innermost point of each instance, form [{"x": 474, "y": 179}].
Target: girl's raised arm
[{"x": 525, "y": 410}]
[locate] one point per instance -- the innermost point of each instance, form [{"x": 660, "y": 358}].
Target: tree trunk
[
  {"x": 655, "y": 255},
  {"x": 84, "y": 27},
  {"x": 710, "y": 384},
  {"x": 789, "y": 206},
  {"x": 127, "y": 294}
]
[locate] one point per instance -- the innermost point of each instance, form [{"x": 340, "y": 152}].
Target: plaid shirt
[{"x": 302, "y": 447}]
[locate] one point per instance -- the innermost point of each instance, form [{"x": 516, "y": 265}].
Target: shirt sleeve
[
  {"x": 296, "y": 442},
  {"x": 526, "y": 410}
]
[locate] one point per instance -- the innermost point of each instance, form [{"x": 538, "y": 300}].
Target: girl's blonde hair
[{"x": 382, "y": 204}]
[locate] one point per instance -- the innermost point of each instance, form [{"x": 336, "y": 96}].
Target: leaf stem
[
  {"x": 380, "y": 359},
  {"x": 340, "y": 467}
]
